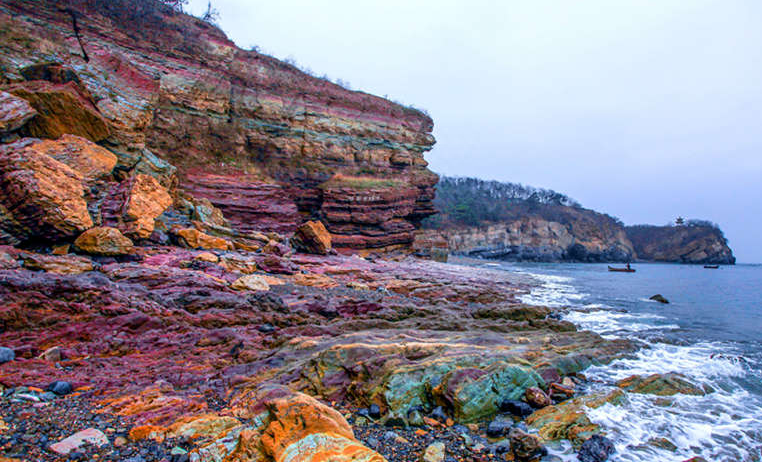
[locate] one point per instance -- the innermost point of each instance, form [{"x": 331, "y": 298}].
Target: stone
[
  {"x": 660, "y": 385},
  {"x": 6, "y": 355},
  {"x": 104, "y": 241},
  {"x": 78, "y": 440},
  {"x": 195, "y": 239},
  {"x": 525, "y": 446},
  {"x": 312, "y": 237},
  {"x": 537, "y": 398},
  {"x": 516, "y": 407},
  {"x": 597, "y": 448},
  {"x": 146, "y": 200},
  {"x": 374, "y": 412},
  {"x": 250, "y": 282},
  {"x": 58, "y": 264},
  {"x": 60, "y": 387},
  {"x": 14, "y": 112},
  {"x": 435, "y": 452},
  {"x": 61, "y": 109},
  {"x": 40, "y": 197},
  {"x": 61, "y": 249},
  {"x": 8, "y": 262},
  {"x": 658, "y": 298},
  {"x": 90, "y": 160},
  {"x": 498, "y": 428},
  {"x": 52, "y": 354}
]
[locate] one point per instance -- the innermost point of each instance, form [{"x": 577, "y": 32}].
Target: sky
[{"x": 645, "y": 110}]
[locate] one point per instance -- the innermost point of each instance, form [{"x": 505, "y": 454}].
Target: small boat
[
  {"x": 621, "y": 270},
  {"x": 712, "y": 266}
]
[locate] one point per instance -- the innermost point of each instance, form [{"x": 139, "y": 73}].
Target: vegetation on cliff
[{"x": 696, "y": 241}]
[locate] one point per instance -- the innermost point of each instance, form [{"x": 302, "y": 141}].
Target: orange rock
[
  {"x": 62, "y": 249},
  {"x": 302, "y": 429},
  {"x": 104, "y": 241},
  {"x": 195, "y": 239},
  {"x": 85, "y": 157},
  {"x": 61, "y": 109},
  {"x": 43, "y": 197},
  {"x": 312, "y": 237},
  {"x": 147, "y": 199},
  {"x": 143, "y": 432},
  {"x": 202, "y": 426}
]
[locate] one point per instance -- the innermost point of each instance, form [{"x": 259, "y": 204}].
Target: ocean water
[{"x": 711, "y": 332}]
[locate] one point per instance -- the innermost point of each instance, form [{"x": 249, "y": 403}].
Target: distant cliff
[
  {"x": 514, "y": 222},
  {"x": 509, "y": 221},
  {"x": 692, "y": 243}
]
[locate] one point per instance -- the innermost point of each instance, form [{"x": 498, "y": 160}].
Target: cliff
[
  {"x": 681, "y": 244},
  {"x": 265, "y": 143},
  {"x": 514, "y": 222}
]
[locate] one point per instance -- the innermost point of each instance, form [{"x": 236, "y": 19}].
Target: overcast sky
[{"x": 645, "y": 110}]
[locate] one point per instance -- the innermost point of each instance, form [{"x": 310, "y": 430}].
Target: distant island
[{"x": 510, "y": 221}]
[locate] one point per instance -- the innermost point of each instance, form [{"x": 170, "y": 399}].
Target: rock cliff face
[
  {"x": 264, "y": 142},
  {"x": 681, "y": 244},
  {"x": 536, "y": 239}
]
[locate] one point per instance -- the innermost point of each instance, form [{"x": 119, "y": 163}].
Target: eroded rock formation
[{"x": 266, "y": 143}]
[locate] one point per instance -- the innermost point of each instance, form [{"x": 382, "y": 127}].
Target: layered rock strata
[{"x": 243, "y": 128}]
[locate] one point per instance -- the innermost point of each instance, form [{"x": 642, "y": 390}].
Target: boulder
[
  {"x": 312, "y": 237},
  {"x": 660, "y": 384},
  {"x": 40, "y": 197},
  {"x": 537, "y": 398},
  {"x": 104, "y": 241},
  {"x": 568, "y": 421},
  {"x": 146, "y": 200},
  {"x": 14, "y": 112},
  {"x": 597, "y": 448},
  {"x": 195, "y": 239},
  {"x": 91, "y": 161},
  {"x": 659, "y": 298},
  {"x": 250, "y": 282},
  {"x": 61, "y": 109},
  {"x": 302, "y": 429}
]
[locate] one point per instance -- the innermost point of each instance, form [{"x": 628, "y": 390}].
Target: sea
[{"x": 711, "y": 331}]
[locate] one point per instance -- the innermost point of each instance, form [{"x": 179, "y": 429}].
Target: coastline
[{"x": 177, "y": 359}]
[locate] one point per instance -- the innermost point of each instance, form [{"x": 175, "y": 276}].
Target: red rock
[
  {"x": 14, "y": 112},
  {"x": 312, "y": 237},
  {"x": 58, "y": 264},
  {"x": 537, "y": 398},
  {"x": 42, "y": 197}
]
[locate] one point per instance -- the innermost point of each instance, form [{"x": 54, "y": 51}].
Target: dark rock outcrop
[{"x": 700, "y": 244}]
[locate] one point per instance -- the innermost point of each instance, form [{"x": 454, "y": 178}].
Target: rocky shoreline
[{"x": 164, "y": 358}]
